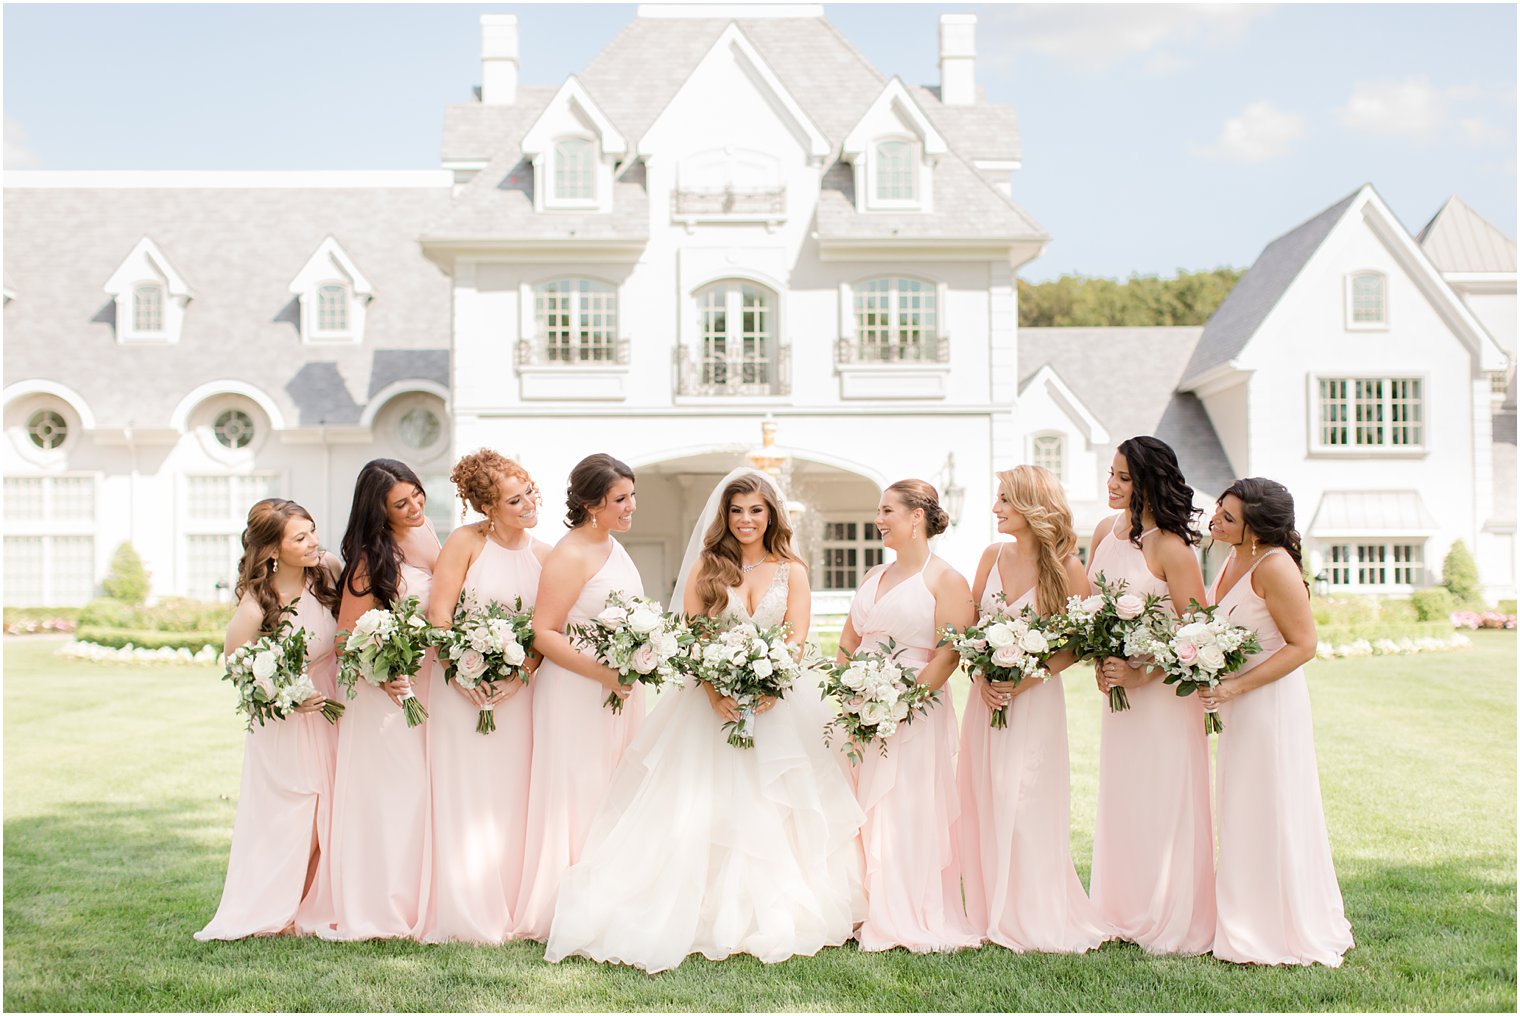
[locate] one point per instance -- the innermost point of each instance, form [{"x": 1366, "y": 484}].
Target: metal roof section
[
  {"x": 1349, "y": 513},
  {"x": 1459, "y": 241}
]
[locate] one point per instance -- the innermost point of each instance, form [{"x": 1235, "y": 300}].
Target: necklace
[{"x": 746, "y": 568}]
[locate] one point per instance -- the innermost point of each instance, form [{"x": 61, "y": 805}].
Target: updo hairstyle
[
  {"x": 478, "y": 478},
  {"x": 918, "y": 494},
  {"x": 590, "y": 481}
]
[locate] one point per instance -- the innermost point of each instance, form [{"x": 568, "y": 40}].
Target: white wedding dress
[{"x": 704, "y": 847}]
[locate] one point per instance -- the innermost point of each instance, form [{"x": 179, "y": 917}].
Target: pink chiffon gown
[
  {"x": 1153, "y": 846},
  {"x": 912, "y": 863},
  {"x": 1279, "y": 901},
  {"x": 1022, "y": 890},
  {"x": 381, "y": 816},
  {"x": 577, "y": 744},
  {"x": 284, "y": 811},
  {"x": 480, "y": 781}
]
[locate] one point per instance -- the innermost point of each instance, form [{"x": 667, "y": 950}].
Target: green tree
[
  {"x": 1080, "y": 301},
  {"x": 1459, "y": 574},
  {"x": 127, "y": 580}
]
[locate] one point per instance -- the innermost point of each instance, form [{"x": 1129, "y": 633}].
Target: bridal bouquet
[
  {"x": 638, "y": 639},
  {"x": 383, "y": 645},
  {"x": 1202, "y": 649},
  {"x": 874, "y": 693},
  {"x": 1006, "y": 646},
  {"x": 746, "y": 664},
  {"x": 270, "y": 674},
  {"x": 488, "y": 643},
  {"x": 1112, "y": 622}
]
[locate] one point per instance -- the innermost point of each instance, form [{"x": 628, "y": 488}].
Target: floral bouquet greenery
[{"x": 386, "y": 644}]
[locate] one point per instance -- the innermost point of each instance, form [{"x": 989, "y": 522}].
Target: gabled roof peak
[
  {"x": 895, "y": 97},
  {"x": 573, "y": 98},
  {"x": 1460, "y": 241}
]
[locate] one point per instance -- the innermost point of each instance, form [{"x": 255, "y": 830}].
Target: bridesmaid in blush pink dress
[
  {"x": 1153, "y": 848},
  {"x": 284, "y": 810},
  {"x": 381, "y": 818},
  {"x": 912, "y": 863},
  {"x": 480, "y": 782},
  {"x": 577, "y": 740},
  {"x": 1022, "y": 890},
  {"x": 1279, "y": 901}
]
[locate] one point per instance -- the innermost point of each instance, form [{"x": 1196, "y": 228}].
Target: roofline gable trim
[
  {"x": 144, "y": 261},
  {"x": 1061, "y": 393},
  {"x": 572, "y": 97},
  {"x": 896, "y": 96}
]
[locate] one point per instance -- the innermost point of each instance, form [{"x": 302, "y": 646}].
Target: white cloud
[
  {"x": 1163, "y": 64},
  {"x": 1095, "y": 36},
  {"x": 1478, "y": 131},
  {"x": 17, "y": 155},
  {"x": 1408, "y": 108},
  {"x": 1260, "y": 133}
]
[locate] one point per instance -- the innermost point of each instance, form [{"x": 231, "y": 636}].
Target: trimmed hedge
[
  {"x": 115, "y": 638},
  {"x": 16, "y": 615},
  {"x": 171, "y": 614},
  {"x": 1339, "y": 634}
]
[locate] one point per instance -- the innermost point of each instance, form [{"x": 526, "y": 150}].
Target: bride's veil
[{"x": 705, "y": 519}]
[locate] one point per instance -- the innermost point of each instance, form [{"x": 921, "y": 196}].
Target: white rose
[
  {"x": 1034, "y": 642},
  {"x": 264, "y": 665},
  {"x": 1092, "y": 604},
  {"x": 613, "y": 617},
  {"x": 762, "y": 667},
  {"x": 472, "y": 664},
  {"x": 643, "y": 620},
  {"x": 513, "y": 654},
  {"x": 417, "y": 621},
  {"x": 886, "y": 728},
  {"x": 1210, "y": 658},
  {"x": 1195, "y": 633},
  {"x": 889, "y": 693},
  {"x": 999, "y": 635},
  {"x": 899, "y": 710},
  {"x": 876, "y": 712},
  {"x": 666, "y": 644},
  {"x": 714, "y": 653},
  {"x": 1008, "y": 656},
  {"x": 645, "y": 659}
]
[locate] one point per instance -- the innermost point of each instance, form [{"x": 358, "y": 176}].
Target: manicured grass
[{"x": 119, "y": 797}]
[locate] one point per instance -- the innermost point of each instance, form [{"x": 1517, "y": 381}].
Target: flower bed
[
  {"x": 1328, "y": 650},
  {"x": 41, "y": 626},
  {"x": 1473, "y": 620},
  {"x": 94, "y": 653}
]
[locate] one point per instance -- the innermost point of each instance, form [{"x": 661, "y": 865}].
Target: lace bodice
[{"x": 771, "y": 610}]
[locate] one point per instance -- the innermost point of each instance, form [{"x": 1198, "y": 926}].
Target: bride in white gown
[{"x": 703, "y": 847}]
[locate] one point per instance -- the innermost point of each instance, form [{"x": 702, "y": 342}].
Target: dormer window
[
  {"x": 893, "y": 149},
  {"x": 148, "y": 308},
  {"x": 1367, "y": 300},
  {"x": 333, "y": 295},
  {"x": 574, "y": 171},
  {"x": 896, "y": 171},
  {"x": 150, "y": 296},
  {"x": 332, "y": 308}
]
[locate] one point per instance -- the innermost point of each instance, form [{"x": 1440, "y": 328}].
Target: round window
[
  {"x": 419, "y": 428},
  {"x": 47, "y": 429},
  {"x": 233, "y": 428}
]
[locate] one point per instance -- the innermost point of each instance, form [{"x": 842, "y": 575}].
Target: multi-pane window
[
  {"x": 226, "y": 499},
  {"x": 216, "y": 510},
  {"x": 895, "y": 171},
  {"x": 738, "y": 337},
  {"x": 332, "y": 307},
  {"x": 233, "y": 429},
  {"x": 850, "y": 549},
  {"x": 211, "y": 564},
  {"x": 1049, "y": 452},
  {"x": 50, "y": 499},
  {"x": 1369, "y": 300},
  {"x": 1371, "y": 413},
  {"x": 1498, "y": 383},
  {"x": 49, "y": 549},
  {"x": 577, "y": 320},
  {"x": 895, "y": 320},
  {"x": 148, "y": 308},
  {"x": 573, "y": 170},
  {"x": 1373, "y": 567}
]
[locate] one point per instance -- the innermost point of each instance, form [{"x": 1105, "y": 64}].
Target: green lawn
[{"x": 118, "y": 810}]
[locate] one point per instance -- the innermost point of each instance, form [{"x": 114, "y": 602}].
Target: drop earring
[
  {"x": 593, "y": 522},
  {"x": 1253, "y": 545},
  {"x": 274, "y": 566}
]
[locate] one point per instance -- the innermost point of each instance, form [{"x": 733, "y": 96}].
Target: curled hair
[
  {"x": 1158, "y": 485},
  {"x": 718, "y": 568},
  {"x": 590, "y": 481},
  {"x": 368, "y": 540},
  {"x": 262, "y": 537},
  {"x": 478, "y": 478},
  {"x": 918, "y": 494},
  {"x": 1035, "y": 493},
  {"x": 1267, "y": 508}
]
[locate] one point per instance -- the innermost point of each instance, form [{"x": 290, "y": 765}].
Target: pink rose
[
  {"x": 472, "y": 664},
  {"x": 645, "y": 658},
  {"x": 1008, "y": 656},
  {"x": 1129, "y": 606},
  {"x": 1187, "y": 653},
  {"x": 266, "y": 686}
]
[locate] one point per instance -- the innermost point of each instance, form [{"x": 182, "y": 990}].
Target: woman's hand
[
  {"x": 616, "y": 687},
  {"x": 1100, "y": 668},
  {"x": 1121, "y": 673},
  {"x": 472, "y": 695},
  {"x": 1227, "y": 690},
  {"x": 766, "y": 704},
  {"x": 994, "y": 693},
  {"x": 724, "y": 706},
  {"x": 503, "y": 690},
  {"x": 312, "y": 705},
  {"x": 398, "y": 688}
]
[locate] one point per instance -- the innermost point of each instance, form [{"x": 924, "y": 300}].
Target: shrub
[
  {"x": 115, "y": 638},
  {"x": 108, "y": 613},
  {"x": 1341, "y": 634},
  {"x": 1434, "y": 604},
  {"x": 1507, "y": 607},
  {"x": 1459, "y": 574},
  {"x": 127, "y": 580},
  {"x": 171, "y": 614}
]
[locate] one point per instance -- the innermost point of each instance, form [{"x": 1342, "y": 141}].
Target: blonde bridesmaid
[
  {"x": 380, "y": 845},
  {"x": 912, "y": 864},
  {"x": 577, "y": 740},
  {"x": 1022, "y": 890},
  {"x": 480, "y": 782},
  {"x": 1279, "y": 901},
  {"x": 284, "y": 811},
  {"x": 1153, "y": 847}
]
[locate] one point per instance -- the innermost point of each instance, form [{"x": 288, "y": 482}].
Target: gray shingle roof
[
  {"x": 1458, "y": 239},
  {"x": 985, "y": 130},
  {"x": 498, "y": 205},
  {"x": 1258, "y": 291},
  {"x": 965, "y": 206},
  {"x": 239, "y": 248},
  {"x": 392, "y": 365},
  {"x": 475, "y": 131}
]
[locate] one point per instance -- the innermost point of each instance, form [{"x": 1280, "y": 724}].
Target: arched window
[
  {"x": 332, "y": 307},
  {"x": 577, "y": 320},
  {"x": 896, "y": 172},
  {"x": 895, "y": 319},
  {"x": 738, "y": 354},
  {"x": 233, "y": 429},
  {"x": 1369, "y": 299},
  {"x": 573, "y": 174},
  {"x": 148, "y": 308},
  {"x": 1049, "y": 451}
]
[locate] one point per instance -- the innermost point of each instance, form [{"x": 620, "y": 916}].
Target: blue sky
[{"x": 1155, "y": 137}]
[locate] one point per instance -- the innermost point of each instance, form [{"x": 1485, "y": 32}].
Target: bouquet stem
[
  {"x": 1212, "y": 724},
  {"x": 415, "y": 713},
  {"x": 332, "y": 710},
  {"x": 486, "y": 721},
  {"x": 1118, "y": 700},
  {"x": 614, "y": 703},
  {"x": 999, "y": 719}
]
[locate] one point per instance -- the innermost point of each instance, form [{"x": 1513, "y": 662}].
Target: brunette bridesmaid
[
  {"x": 381, "y": 818},
  {"x": 1153, "y": 846},
  {"x": 912, "y": 864},
  {"x": 1279, "y": 901},
  {"x": 284, "y": 811},
  {"x": 1022, "y": 890},
  {"x": 577, "y": 740},
  {"x": 480, "y": 782}
]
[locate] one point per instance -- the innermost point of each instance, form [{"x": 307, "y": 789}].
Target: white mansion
[{"x": 729, "y": 222}]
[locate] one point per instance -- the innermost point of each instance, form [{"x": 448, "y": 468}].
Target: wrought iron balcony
[
  {"x": 729, "y": 203},
  {"x": 893, "y": 350},
  {"x": 716, "y": 370},
  {"x": 542, "y": 353}
]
